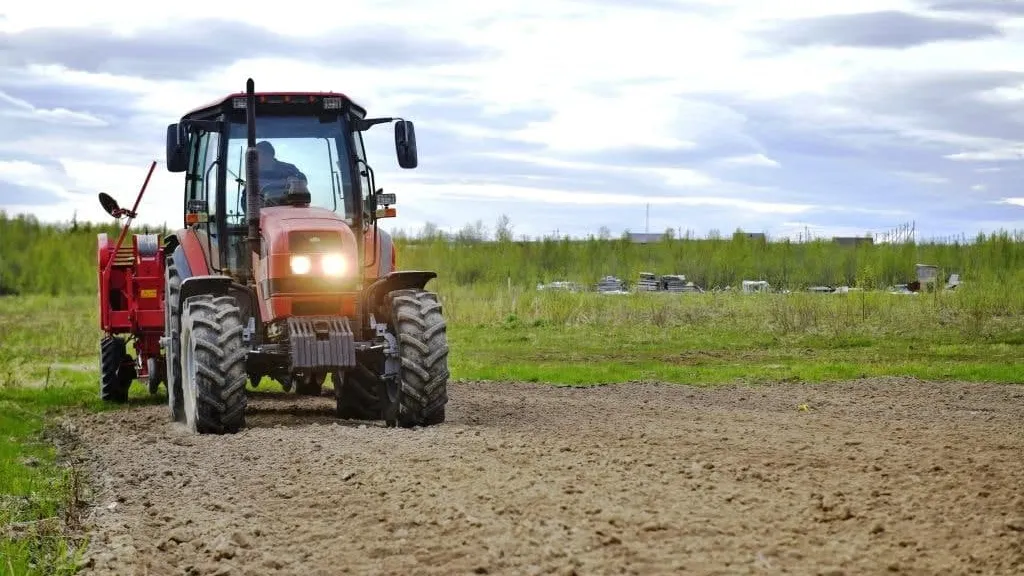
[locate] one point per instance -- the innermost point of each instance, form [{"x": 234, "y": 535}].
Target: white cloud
[
  {"x": 923, "y": 177},
  {"x": 751, "y": 160},
  {"x": 20, "y": 172},
  {"x": 583, "y": 126},
  {"x": 18, "y": 108},
  {"x": 29, "y": 175},
  {"x": 993, "y": 155},
  {"x": 674, "y": 177},
  {"x": 470, "y": 192}
]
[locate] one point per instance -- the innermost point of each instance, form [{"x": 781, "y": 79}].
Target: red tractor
[{"x": 281, "y": 270}]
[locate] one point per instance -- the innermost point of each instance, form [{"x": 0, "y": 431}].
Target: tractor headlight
[
  {"x": 301, "y": 264},
  {"x": 333, "y": 264}
]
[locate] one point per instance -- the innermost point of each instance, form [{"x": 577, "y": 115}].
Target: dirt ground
[{"x": 876, "y": 477}]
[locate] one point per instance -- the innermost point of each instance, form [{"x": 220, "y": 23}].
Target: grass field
[{"x": 48, "y": 361}]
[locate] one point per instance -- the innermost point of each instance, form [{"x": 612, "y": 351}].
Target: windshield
[{"x": 300, "y": 147}]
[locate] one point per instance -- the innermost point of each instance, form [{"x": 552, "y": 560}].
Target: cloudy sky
[{"x": 781, "y": 116}]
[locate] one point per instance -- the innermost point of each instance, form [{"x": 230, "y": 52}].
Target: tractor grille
[{"x": 323, "y": 307}]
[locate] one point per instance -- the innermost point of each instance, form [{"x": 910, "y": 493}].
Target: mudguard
[
  {"x": 193, "y": 285},
  {"x": 374, "y": 294},
  {"x": 181, "y": 263},
  {"x": 187, "y": 252}
]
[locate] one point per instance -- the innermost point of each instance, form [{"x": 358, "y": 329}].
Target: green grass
[
  {"x": 973, "y": 335},
  {"x": 38, "y": 498},
  {"x": 48, "y": 365},
  {"x": 43, "y": 338},
  {"x": 50, "y": 346}
]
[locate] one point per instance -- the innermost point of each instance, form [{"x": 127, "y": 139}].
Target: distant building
[
  {"x": 644, "y": 238},
  {"x": 853, "y": 240},
  {"x": 759, "y": 236}
]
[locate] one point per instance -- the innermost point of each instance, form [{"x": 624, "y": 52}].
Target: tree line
[{"x": 42, "y": 258}]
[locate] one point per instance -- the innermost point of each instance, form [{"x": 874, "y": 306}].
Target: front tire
[
  {"x": 213, "y": 365},
  {"x": 422, "y": 393}
]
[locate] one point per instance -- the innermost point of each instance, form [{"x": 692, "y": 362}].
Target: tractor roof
[{"x": 262, "y": 96}]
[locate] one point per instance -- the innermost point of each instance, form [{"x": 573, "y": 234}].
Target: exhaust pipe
[{"x": 252, "y": 168}]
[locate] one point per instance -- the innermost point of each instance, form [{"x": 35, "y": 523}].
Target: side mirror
[
  {"x": 177, "y": 153},
  {"x": 405, "y": 144}
]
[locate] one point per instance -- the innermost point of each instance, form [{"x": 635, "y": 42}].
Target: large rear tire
[
  {"x": 416, "y": 321},
  {"x": 172, "y": 352},
  {"x": 356, "y": 393},
  {"x": 310, "y": 384},
  {"x": 213, "y": 365},
  {"x": 115, "y": 374}
]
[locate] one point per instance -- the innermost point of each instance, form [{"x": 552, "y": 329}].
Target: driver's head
[{"x": 265, "y": 150}]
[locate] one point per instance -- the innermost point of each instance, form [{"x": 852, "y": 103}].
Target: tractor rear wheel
[
  {"x": 415, "y": 319},
  {"x": 172, "y": 351},
  {"x": 213, "y": 365},
  {"x": 115, "y": 374},
  {"x": 356, "y": 393},
  {"x": 309, "y": 384}
]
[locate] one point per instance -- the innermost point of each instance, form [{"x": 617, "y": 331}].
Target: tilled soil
[{"x": 873, "y": 477}]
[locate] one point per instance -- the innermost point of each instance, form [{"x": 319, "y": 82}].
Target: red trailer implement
[{"x": 131, "y": 294}]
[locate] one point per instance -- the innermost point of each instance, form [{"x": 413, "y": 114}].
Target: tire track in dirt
[{"x": 879, "y": 476}]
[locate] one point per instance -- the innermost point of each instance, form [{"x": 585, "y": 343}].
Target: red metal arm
[{"x": 131, "y": 215}]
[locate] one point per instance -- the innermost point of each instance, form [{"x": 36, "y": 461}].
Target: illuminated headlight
[
  {"x": 333, "y": 264},
  {"x": 301, "y": 264}
]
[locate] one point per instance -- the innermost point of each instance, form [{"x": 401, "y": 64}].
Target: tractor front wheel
[
  {"x": 419, "y": 399},
  {"x": 213, "y": 365},
  {"x": 116, "y": 374}
]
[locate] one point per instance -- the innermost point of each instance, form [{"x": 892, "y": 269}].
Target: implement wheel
[{"x": 116, "y": 372}]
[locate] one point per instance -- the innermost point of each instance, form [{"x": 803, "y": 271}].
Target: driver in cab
[{"x": 277, "y": 178}]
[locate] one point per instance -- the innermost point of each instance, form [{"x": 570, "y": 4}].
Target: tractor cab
[{"x": 310, "y": 157}]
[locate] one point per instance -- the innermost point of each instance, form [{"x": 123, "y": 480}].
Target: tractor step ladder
[{"x": 125, "y": 256}]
